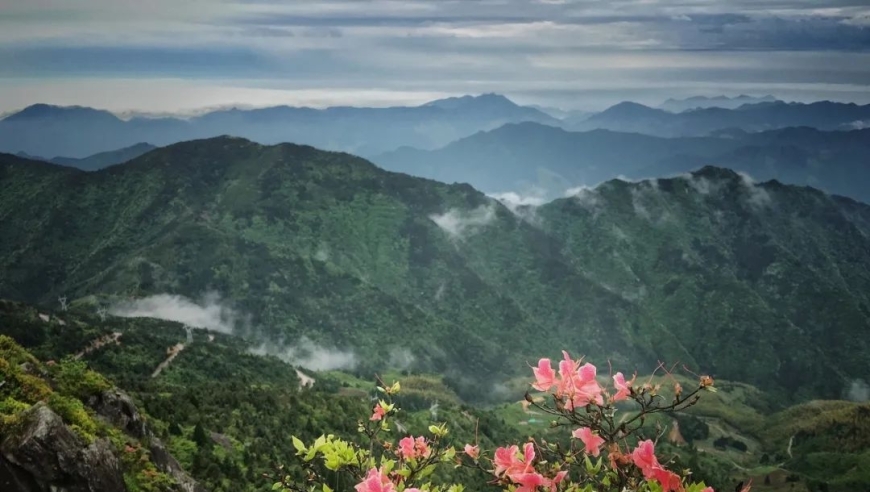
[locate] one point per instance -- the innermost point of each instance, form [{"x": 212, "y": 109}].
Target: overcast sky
[{"x": 168, "y": 55}]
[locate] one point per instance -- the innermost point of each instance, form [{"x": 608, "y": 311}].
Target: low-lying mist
[
  {"x": 209, "y": 313},
  {"x": 213, "y": 313},
  {"x": 305, "y": 353}
]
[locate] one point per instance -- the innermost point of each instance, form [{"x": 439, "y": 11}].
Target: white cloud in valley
[
  {"x": 459, "y": 224},
  {"x": 306, "y": 353},
  {"x": 523, "y": 205},
  {"x": 210, "y": 312}
]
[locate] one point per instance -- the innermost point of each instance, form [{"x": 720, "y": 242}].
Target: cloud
[
  {"x": 534, "y": 50},
  {"x": 401, "y": 359},
  {"x": 523, "y": 206},
  {"x": 209, "y": 313},
  {"x": 588, "y": 197},
  {"x": 758, "y": 196},
  {"x": 858, "y": 391},
  {"x": 305, "y": 353},
  {"x": 322, "y": 254},
  {"x": 700, "y": 184},
  {"x": 859, "y": 125},
  {"x": 459, "y": 224}
]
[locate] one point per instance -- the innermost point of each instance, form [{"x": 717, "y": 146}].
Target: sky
[{"x": 185, "y": 55}]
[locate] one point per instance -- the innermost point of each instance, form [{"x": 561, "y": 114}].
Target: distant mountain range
[
  {"x": 762, "y": 283},
  {"x": 637, "y": 118},
  {"x": 547, "y": 161},
  {"x": 680, "y": 105},
  {"x": 97, "y": 161},
  {"x": 79, "y": 132}
]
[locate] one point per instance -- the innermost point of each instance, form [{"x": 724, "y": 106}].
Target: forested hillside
[{"x": 756, "y": 282}]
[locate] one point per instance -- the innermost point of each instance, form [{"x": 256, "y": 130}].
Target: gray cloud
[{"x": 569, "y": 53}]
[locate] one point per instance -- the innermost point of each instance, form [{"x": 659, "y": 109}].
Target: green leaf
[
  {"x": 299, "y": 445},
  {"x": 427, "y": 471}
]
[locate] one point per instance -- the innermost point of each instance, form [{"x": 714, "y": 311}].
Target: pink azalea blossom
[
  {"x": 406, "y": 448},
  {"x": 669, "y": 480},
  {"x": 591, "y": 441},
  {"x": 623, "y": 389},
  {"x": 473, "y": 452},
  {"x": 421, "y": 448},
  {"x": 644, "y": 457},
  {"x": 504, "y": 458},
  {"x": 410, "y": 448},
  {"x": 545, "y": 377},
  {"x": 558, "y": 479},
  {"x": 375, "y": 481},
  {"x": 507, "y": 462},
  {"x": 529, "y": 482},
  {"x": 378, "y": 412},
  {"x": 708, "y": 489},
  {"x": 576, "y": 383}
]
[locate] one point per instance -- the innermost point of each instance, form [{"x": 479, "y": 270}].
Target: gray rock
[
  {"x": 45, "y": 455},
  {"x": 117, "y": 408}
]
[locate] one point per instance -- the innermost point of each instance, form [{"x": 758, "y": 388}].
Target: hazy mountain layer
[
  {"x": 633, "y": 117},
  {"x": 689, "y": 103},
  {"x": 79, "y": 132},
  {"x": 543, "y": 161}
]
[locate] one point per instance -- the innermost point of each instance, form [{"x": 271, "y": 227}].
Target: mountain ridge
[{"x": 329, "y": 246}]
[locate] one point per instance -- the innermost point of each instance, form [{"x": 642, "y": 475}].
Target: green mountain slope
[
  {"x": 747, "y": 282},
  {"x": 764, "y": 283},
  {"x": 225, "y": 414},
  {"x": 313, "y": 243}
]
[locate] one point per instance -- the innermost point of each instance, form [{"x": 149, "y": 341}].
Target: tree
[{"x": 201, "y": 437}]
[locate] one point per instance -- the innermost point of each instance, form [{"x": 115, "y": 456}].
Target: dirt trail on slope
[
  {"x": 172, "y": 352},
  {"x": 304, "y": 379},
  {"x": 99, "y": 343}
]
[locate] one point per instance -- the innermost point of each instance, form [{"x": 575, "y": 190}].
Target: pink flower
[
  {"x": 508, "y": 463},
  {"x": 379, "y": 412},
  {"x": 558, "y": 479},
  {"x": 669, "y": 480},
  {"x": 644, "y": 457},
  {"x": 472, "y": 451},
  {"x": 375, "y": 481},
  {"x": 623, "y": 389},
  {"x": 591, "y": 441},
  {"x": 708, "y": 489},
  {"x": 576, "y": 383},
  {"x": 504, "y": 458},
  {"x": 406, "y": 448},
  {"x": 545, "y": 377},
  {"x": 410, "y": 448},
  {"x": 421, "y": 448},
  {"x": 529, "y": 482}
]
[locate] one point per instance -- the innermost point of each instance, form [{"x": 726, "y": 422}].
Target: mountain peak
[
  {"x": 41, "y": 111},
  {"x": 715, "y": 172},
  {"x": 628, "y": 109},
  {"x": 490, "y": 99}
]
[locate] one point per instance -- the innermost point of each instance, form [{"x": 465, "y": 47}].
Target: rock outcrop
[
  {"x": 44, "y": 455},
  {"x": 117, "y": 409}
]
